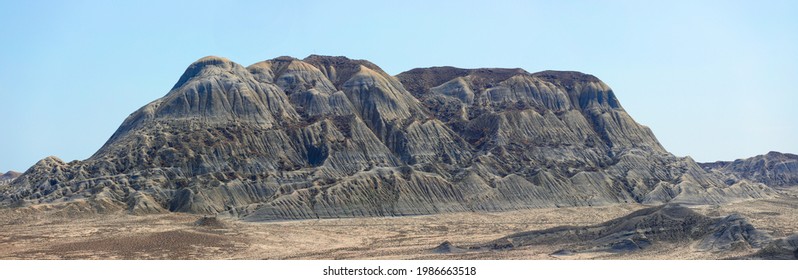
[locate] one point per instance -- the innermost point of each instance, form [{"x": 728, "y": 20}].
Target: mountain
[
  {"x": 6, "y": 178},
  {"x": 11, "y": 174},
  {"x": 773, "y": 169},
  {"x": 329, "y": 137}
]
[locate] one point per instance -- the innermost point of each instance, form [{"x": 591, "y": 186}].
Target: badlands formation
[
  {"x": 331, "y": 137},
  {"x": 290, "y": 140}
]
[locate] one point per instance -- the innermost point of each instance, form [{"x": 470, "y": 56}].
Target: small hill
[
  {"x": 6, "y": 178},
  {"x": 641, "y": 229}
]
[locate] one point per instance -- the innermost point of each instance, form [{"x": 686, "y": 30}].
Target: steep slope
[
  {"x": 773, "y": 169},
  {"x": 570, "y": 135},
  {"x": 334, "y": 137}
]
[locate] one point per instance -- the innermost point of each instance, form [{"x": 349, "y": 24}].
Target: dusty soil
[{"x": 58, "y": 232}]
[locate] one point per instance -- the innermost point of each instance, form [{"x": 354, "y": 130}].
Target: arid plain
[{"x": 65, "y": 231}]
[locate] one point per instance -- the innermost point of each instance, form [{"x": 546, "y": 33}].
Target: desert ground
[{"x": 64, "y": 231}]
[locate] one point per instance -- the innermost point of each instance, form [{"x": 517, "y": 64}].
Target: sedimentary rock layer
[
  {"x": 334, "y": 137},
  {"x": 773, "y": 169}
]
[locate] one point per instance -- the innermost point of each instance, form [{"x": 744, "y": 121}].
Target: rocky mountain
[
  {"x": 329, "y": 137},
  {"x": 6, "y": 178},
  {"x": 773, "y": 169}
]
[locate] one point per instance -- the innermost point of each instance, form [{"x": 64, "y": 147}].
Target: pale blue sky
[{"x": 714, "y": 80}]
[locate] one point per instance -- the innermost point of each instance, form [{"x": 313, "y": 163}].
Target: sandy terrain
[{"x": 61, "y": 232}]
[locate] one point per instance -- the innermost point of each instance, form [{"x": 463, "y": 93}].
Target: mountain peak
[
  {"x": 339, "y": 61},
  {"x": 212, "y": 59},
  {"x": 339, "y": 69},
  {"x": 6, "y": 178},
  {"x": 419, "y": 80},
  {"x": 202, "y": 66},
  {"x": 774, "y": 154},
  {"x": 284, "y": 58},
  {"x": 10, "y": 175},
  {"x": 773, "y": 169},
  {"x": 51, "y": 159}
]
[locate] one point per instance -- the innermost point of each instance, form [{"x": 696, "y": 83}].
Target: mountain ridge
[
  {"x": 773, "y": 169},
  {"x": 327, "y": 137}
]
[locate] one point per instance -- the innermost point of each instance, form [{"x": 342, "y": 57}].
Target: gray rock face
[
  {"x": 780, "y": 249},
  {"x": 6, "y": 178},
  {"x": 641, "y": 229},
  {"x": 773, "y": 169},
  {"x": 333, "y": 137},
  {"x": 733, "y": 232}
]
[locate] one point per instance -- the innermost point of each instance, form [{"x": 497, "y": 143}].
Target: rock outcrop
[
  {"x": 773, "y": 169},
  {"x": 641, "y": 229},
  {"x": 6, "y": 178},
  {"x": 330, "y": 137},
  {"x": 780, "y": 249}
]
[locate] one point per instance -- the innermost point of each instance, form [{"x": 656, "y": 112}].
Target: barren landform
[
  {"x": 63, "y": 231},
  {"x": 328, "y": 157}
]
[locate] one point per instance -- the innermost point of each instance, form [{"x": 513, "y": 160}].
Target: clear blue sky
[{"x": 714, "y": 80}]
